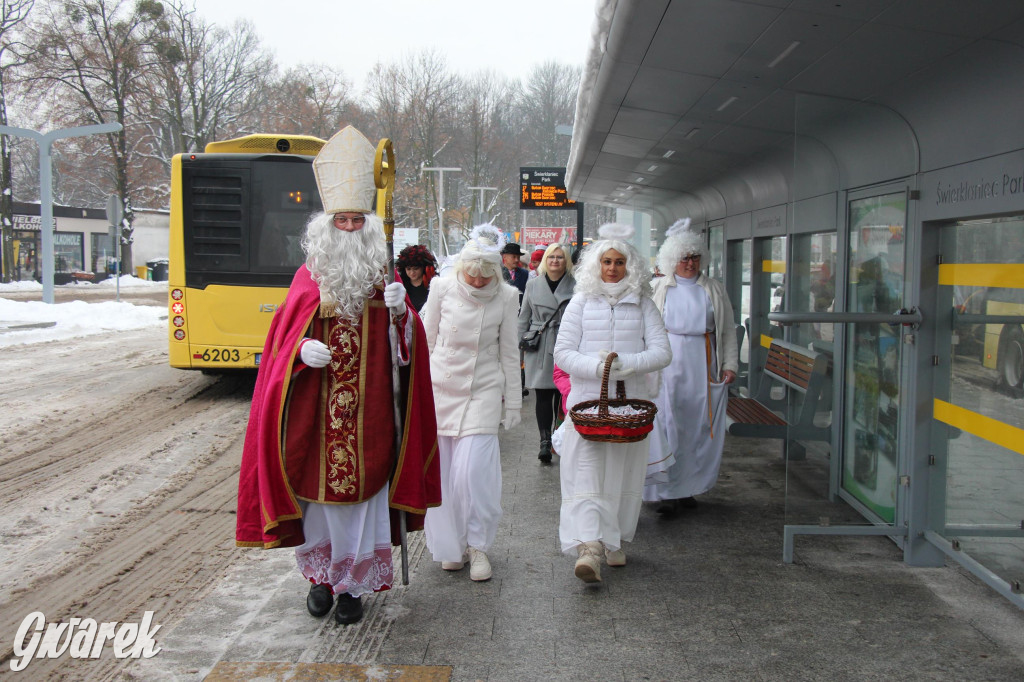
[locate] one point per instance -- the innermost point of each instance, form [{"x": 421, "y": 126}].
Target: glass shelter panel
[
  {"x": 813, "y": 287},
  {"x": 979, "y": 397},
  {"x": 738, "y": 287},
  {"x": 872, "y": 385},
  {"x": 715, "y": 267}
]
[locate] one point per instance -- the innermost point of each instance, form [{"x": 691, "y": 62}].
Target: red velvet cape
[{"x": 268, "y": 510}]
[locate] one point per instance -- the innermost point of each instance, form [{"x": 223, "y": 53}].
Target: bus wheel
[{"x": 1010, "y": 365}]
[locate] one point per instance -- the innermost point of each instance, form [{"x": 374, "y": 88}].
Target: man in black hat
[{"x": 514, "y": 272}]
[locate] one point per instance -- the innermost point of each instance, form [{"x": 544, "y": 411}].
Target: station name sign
[{"x": 543, "y": 188}]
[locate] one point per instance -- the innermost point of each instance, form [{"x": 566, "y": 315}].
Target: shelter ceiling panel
[
  {"x": 863, "y": 10},
  {"x": 706, "y": 37},
  {"x": 665, "y": 90},
  {"x": 649, "y": 125},
  {"x": 680, "y": 138},
  {"x": 874, "y": 58},
  {"x": 791, "y": 44},
  {"x": 598, "y": 187},
  {"x": 629, "y": 37},
  {"x": 729, "y": 100},
  {"x": 627, "y": 146},
  {"x": 619, "y": 81},
  {"x": 711, "y": 159},
  {"x": 774, "y": 112},
  {"x": 1012, "y": 33},
  {"x": 612, "y": 174},
  {"x": 626, "y": 163},
  {"x": 746, "y": 142},
  {"x": 954, "y": 17}
]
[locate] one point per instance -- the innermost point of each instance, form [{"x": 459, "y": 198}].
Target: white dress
[
  {"x": 691, "y": 430},
  {"x": 348, "y": 546},
  {"x": 602, "y": 483}
]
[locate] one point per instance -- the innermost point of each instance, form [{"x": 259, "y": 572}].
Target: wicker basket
[{"x": 613, "y": 428}]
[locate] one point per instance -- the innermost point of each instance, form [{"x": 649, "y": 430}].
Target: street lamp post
[
  {"x": 480, "y": 217},
  {"x": 45, "y": 142},
  {"x": 440, "y": 204}
]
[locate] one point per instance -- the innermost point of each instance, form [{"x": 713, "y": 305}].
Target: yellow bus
[{"x": 237, "y": 217}]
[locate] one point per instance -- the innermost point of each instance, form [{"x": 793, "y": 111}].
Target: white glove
[
  {"x": 315, "y": 353},
  {"x": 394, "y": 298},
  {"x": 512, "y": 419},
  {"x": 617, "y": 373}
]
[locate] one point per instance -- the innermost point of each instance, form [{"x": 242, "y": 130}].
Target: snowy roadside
[{"x": 23, "y": 322}]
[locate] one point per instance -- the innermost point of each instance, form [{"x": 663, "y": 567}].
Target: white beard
[{"x": 345, "y": 265}]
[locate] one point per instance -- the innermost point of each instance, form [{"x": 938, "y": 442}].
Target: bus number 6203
[{"x": 221, "y": 355}]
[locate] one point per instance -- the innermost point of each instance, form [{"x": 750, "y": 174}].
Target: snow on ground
[
  {"x": 75, "y": 318},
  {"x": 125, "y": 281}
]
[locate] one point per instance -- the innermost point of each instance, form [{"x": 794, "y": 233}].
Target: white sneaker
[
  {"x": 453, "y": 565},
  {"x": 616, "y": 558},
  {"x": 479, "y": 566}
]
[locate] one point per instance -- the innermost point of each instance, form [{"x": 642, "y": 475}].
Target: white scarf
[
  {"x": 614, "y": 292},
  {"x": 483, "y": 294}
]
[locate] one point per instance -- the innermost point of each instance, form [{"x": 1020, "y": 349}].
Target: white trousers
[{"x": 470, "y": 497}]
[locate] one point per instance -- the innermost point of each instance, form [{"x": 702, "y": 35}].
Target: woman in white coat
[
  {"x": 602, "y": 483},
  {"x": 694, "y": 388},
  {"x": 470, "y": 318}
]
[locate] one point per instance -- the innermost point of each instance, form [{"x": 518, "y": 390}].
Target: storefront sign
[
  {"x": 548, "y": 235},
  {"x": 27, "y": 222}
]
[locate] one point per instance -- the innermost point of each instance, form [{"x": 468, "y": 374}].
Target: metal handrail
[
  {"x": 977, "y": 318},
  {"x": 905, "y": 317}
]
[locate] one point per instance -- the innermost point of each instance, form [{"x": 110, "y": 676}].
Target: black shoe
[
  {"x": 667, "y": 507},
  {"x": 688, "y": 503},
  {"x": 350, "y": 609},
  {"x": 544, "y": 455},
  {"x": 319, "y": 600}
]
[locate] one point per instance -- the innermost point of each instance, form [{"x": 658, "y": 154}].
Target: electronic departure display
[{"x": 543, "y": 188}]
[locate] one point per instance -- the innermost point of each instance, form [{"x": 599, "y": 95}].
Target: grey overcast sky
[{"x": 506, "y": 36}]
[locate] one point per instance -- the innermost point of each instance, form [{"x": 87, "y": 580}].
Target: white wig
[
  {"x": 542, "y": 269},
  {"x": 613, "y": 236},
  {"x": 345, "y": 265},
  {"x": 681, "y": 240},
  {"x": 481, "y": 256}
]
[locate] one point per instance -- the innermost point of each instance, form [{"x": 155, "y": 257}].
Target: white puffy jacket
[{"x": 633, "y": 328}]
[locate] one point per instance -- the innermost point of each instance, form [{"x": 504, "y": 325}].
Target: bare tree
[
  {"x": 12, "y": 15},
  {"x": 310, "y": 99},
  {"x": 547, "y": 101},
  {"x": 93, "y": 57},
  {"x": 415, "y": 102},
  {"x": 486, "y": 149},
  {"x": 210, "y": 81}
]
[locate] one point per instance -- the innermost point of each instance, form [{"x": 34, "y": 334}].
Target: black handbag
[{"x": 530, "y": 342}]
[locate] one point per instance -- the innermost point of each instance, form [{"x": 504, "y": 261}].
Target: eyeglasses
[
  {"x": 693, "y": 258},
  {"x": 357, "y": 221}
]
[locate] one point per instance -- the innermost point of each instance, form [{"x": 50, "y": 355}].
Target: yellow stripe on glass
[
  {"x": 1008, "y": 276},
  {"x": 986, "y": 428},
  {"x": 773, "y": 266}
]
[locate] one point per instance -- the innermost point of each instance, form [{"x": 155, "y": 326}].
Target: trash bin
[
  {"x": 159, "y": 269},
  {"x": 142, "y": 271}
]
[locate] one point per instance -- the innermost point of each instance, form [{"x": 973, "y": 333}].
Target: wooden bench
[{"x": 790, "y": 418}]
